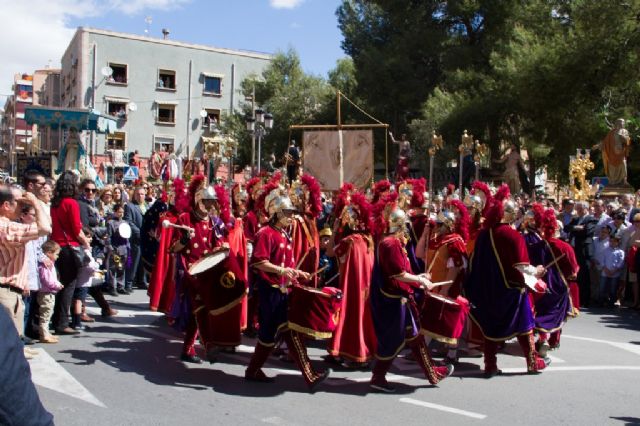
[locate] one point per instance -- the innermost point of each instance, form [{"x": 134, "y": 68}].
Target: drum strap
[
  {"x": 435, "y": 257},
  {"x": 307, "y": 233}
]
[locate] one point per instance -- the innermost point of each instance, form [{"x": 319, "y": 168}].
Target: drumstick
[
  {"x": 554, "y": 260},
  {"x": 168, "y": 224},
  {"x": 332, "y": 278},
  {"x": 302, "y": 259},
  {"x": 320, "y": 270},
  {"x": 441, "y": 283}
]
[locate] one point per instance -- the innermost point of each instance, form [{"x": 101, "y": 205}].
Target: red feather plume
[
  {"x": 181, "y": 200},
  {"x": 462, "y": 224},
  {"x": 495, "y": 212},
  {"x": 378, "y": 188},
  {"x": 194, "y": 186},
  {"x": 364, "y": 207},
  {"x": 315, "y": 202},
  {"x": 419, "y": 186},
  {"x": 380, "y": 223},
  {"x": 538, "y": 211},
  {"x": 549, "y": 223},
  {"x": 341, "y": 199},
  {"x": 223, "y": 203},
  {"x": 273, "y": 183}
]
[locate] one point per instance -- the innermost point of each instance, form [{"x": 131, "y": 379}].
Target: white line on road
[
  {"x": 621, "y": 345},
  {"x": 443, "y": 408},
  {"x": 46, "y": 372}
]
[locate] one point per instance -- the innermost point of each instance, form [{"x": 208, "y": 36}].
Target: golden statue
[{"x": 615, "y": 149}]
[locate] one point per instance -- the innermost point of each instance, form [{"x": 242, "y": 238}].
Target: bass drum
[{"x": 314, "y": 312}]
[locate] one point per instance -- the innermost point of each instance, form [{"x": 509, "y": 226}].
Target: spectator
[
  {"x": 67, "y": 232},
  {"x": 565, "y": 216},
  {"x": 612, "y": 268},
  {"x": 50, "y": 285},
  {"x": 30, "y": 293},
  {"x": 117, "y": 253},
  {"x": 106, "y": 202},
  {"x": 13, "y": 239},
  {"x": 580, "y": 231},
  {"x": 19, "y": 401},
  {"x": 83, "y": 284},
  {"x": 133, "y": 215}
]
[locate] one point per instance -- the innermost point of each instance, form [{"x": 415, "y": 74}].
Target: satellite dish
[
  {"x": 203, "y": 113},
  {"x": 133, "y": 106},
  {"x": 106, "y": 71}
]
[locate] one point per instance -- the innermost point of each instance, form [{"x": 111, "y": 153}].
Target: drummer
[
  {"x": 276, "y": 269},
  {"x": 495, "y": 285},
  {"x": 206, "y": 234},
  {"x": 446, "y": 255},
  {"x": 394, "y": 311}
]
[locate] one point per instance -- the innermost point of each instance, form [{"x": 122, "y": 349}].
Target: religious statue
[
  {"x": 404, "y": 156},
  {"x": 72, "y": 154},
  {"x": 513, "y": 168},
  {"x": 615, "y": 149},
  {"x": 156, "y": 162}
]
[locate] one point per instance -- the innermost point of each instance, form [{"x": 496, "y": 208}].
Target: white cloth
[
  {"x": 85, "y": 274},
  {"x": 600, "y": 246}
]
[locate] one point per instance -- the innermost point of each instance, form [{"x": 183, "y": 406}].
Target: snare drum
[
  {"x": 209, "y": 261},
  {"x": 443, "y": 318},
  {"x": 314, "y": 312}
]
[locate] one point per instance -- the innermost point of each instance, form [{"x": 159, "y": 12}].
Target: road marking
[
  {"x": 443, "y": 408},
  {"x": 46, "y": 372},
  {"x": 635, "y": 349},
  {"x": 556, "y": 360}
]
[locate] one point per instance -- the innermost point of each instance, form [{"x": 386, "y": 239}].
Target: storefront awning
[{"x": 67, "y": 118}]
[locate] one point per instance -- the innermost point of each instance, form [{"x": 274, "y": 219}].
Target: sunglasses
[{"x": 90, "y": 190}]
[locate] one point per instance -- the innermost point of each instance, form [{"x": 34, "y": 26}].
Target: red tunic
[
  {"x": 273, "y": 245},
  {"x": 394, "y": 262},
  {"x": 354, "y": 337},
  {"x": 441, "y": 249},
  {"x": 162, "y": 284}
]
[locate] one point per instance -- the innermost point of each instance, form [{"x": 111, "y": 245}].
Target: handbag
[{"x": 80, "y": 258}]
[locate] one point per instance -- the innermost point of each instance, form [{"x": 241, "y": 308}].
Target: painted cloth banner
[{"x": 337, "y": 156}]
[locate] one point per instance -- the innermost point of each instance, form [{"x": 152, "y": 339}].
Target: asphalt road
[{"x": 126, "y": 371}]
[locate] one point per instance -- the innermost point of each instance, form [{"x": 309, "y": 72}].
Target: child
[
  {"x": 83, "y": 282},
  {"x": 49, "y": 286},
  {"x": 117, "y": 252},
  {"x": 612, "y": 266}
]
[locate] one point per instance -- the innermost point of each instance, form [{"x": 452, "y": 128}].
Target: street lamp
[{"x": 258, "y": 127}]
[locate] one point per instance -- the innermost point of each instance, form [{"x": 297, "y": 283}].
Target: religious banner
[{"x": 334, "y": 157}]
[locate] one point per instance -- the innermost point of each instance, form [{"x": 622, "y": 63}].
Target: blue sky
[{"x": 308, "y": 26}]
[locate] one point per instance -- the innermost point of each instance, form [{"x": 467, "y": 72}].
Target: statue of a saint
[
  {"x": 615, "y": 149},
  {"x": 404, "y": 156},
  {"x": 513, "y": 165}
]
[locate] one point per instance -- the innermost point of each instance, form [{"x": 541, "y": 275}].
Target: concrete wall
[{"x": 143, "y": 57}]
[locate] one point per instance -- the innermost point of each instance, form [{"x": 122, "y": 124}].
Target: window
[
  {"x": 213, "y": 116},
  {"x": 117, "y": 109},
  {"x": 212, "y": 85},
  {"x": 119, "y": 75},
  {"x": 116, "y": 140},
  {"x": 164, "y": 143},
  {"x": 166, "y": 80},
  {"x": 166, "y": 114}
]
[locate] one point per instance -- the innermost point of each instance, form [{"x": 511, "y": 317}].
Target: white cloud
[
  {"x": 285, "y": 4},
  {"x": 38, "y": 31}
]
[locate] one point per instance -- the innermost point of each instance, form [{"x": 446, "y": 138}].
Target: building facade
[
  {"x": 17, "y": 134},
  {"x": 164, "y": 93}
]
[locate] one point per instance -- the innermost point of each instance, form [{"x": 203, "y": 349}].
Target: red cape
[
  {"x": 306, "y": 243},
  {"x": 161, "y": 284},
  {"x": 354, "y": 337}
]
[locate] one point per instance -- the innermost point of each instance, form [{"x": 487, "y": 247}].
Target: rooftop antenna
[
  {"x": 165, "y": 33},
  {"x": 148, "y": 22}
]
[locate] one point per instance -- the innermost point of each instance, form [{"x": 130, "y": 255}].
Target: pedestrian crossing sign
[{"x": 130, "y": 173}]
